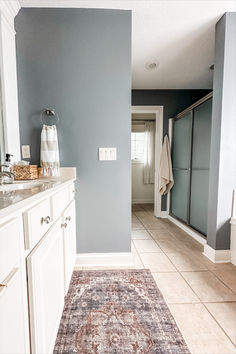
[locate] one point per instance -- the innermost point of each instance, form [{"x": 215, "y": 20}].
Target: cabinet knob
[
  {"x": 68, "y": 218},
  {"x": 2, "y": 285},
  {"x": 46, "y": 220},
  {"x": 64, "y": 225}
]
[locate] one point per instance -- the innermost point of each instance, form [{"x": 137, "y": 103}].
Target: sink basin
[{"x": 20, "y": 185}]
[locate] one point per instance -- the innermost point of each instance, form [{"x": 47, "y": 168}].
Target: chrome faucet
[{"x": 8, "y": 174}]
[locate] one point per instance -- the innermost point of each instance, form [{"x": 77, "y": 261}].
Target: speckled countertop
[
  {"x": 10, "y": 197},
  {"x": 11, "y": 200}
]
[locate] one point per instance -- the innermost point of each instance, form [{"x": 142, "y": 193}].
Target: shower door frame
[{"x": 177, "y": 117}]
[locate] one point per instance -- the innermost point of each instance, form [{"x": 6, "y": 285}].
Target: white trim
[
  {"x": 194, "y": 234},
  {"x": 217, "y": 256},
  {"x": 164, "y": 214},
  {"x": 170, "y": 133},
  {"x": 233, "y": 240},
  {"x": 142, "y": 201},
  {"x": 9, "y": 96},
  {"x": 137, "y": 162},
  {"x": 158, "y": 110},
  {"x": 9, "y": 9},
  {"x": 104, "y": 259}
]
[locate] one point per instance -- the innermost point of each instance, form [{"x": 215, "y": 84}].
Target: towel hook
[{"x": 49, "y": 113}]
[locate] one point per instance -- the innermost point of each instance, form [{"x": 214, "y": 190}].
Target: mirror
[{"x": 2, "y": 142}]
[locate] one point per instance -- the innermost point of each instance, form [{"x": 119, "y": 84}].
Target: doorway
[{"x": 147, "y": 123}]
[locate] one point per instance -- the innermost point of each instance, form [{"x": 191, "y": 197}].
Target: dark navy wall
[
  {"x": 174, "y": 101},
  {"x": 79, "y": 61}
]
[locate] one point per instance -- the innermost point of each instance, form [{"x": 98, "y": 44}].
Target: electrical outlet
[
  {"x": 25, "y": 151},
  {"x": 107, "y": 154}
]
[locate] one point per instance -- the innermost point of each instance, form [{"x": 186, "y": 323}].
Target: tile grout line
[
  {"x": 201, "y": 302},
  {"x": 219, "y": 325},
  {"x": 203, "y": 270},
  {"x": 188, "y": 345},
  {"x": 141, "y": 260},
  {"x": 166, "y": 253},
  {"x": 212, "y": 271},
  {"x": 155, "y": 242},
  {"x": 179, "y": 272}
]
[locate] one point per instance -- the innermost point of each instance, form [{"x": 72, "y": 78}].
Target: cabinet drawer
[
  {"x": 10, "y": 246},
  {"x": 37, "y": 221},
  {"x": 59, "y": 201}
]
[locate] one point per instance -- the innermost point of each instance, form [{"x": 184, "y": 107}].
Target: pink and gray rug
[{"x": 117, "y": 312}]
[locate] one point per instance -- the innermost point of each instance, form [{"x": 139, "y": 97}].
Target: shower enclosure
[{"x": 190, "y": 158}]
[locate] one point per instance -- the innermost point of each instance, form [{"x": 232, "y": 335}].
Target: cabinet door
[
  {"x": 46, "y": 289},
  {"x": 69, "y": 238},
  {"x": 12, "y": 315}
]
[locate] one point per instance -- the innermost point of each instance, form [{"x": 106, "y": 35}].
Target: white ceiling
[{"x": 177, "y": 33}]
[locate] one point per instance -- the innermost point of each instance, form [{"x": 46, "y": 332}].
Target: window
[{"x": 137, "y": 146}]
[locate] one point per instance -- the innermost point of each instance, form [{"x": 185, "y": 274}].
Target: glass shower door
[
  {"x": 181, "y": 158},
  {"x": 200, "y": 166}
]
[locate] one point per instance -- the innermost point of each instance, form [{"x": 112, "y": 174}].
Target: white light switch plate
[
  {"x": 107, "y": 154},
  {"x": 25, "y": 151}
]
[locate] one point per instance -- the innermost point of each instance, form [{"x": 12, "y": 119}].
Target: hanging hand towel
[
  {"x": 166, "y": 180},
  {"x": 49, "y": 159}
]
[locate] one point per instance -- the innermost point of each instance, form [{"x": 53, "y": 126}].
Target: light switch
[
  {"x": 25, "y": 151},
  {"x": 113, "y": 153},
  {"x": 107, "y": 154}
]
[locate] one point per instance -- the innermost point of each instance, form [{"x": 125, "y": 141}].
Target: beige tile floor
[{"x": 201, "y": 295}]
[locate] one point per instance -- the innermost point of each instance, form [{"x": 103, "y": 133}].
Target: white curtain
[{"x": 149, "y": 153}]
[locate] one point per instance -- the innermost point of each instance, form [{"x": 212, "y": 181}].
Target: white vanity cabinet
[
  {"x": 69, "y": 240},
  {"x": 37, "y": 257}
]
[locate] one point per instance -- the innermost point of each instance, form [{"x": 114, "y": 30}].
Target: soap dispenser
[{"x": 7, "y": 164}]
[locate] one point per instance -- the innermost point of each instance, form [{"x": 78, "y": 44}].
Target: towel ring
[{"x": 49, "y": 113}]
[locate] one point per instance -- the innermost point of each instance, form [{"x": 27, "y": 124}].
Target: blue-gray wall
[
  {"x": 174, "y": 101},
  {"x": 79, "y": 61},
  {"x": 222, "y": 178}
]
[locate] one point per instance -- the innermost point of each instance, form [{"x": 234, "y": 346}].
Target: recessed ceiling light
[{"x": 152, "y": 65}]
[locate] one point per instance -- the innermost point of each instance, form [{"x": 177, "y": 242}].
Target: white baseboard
[
  {"x": 188, "y": 230},
  {"x": 217, "y": 256},
  {"x": 142, "y": 201},
  {"x": 164, "y": 214},
  {"x": 233, "y": 241},
  {"x": 105, "y": 259}
]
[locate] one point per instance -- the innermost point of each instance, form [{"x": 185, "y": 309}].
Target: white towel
[
  {"x": 166, "y": 180},
  {"x": 49, "y": 159}
]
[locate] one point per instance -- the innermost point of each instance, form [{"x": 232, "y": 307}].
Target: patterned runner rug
[{"x": 117, "y": 312}]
